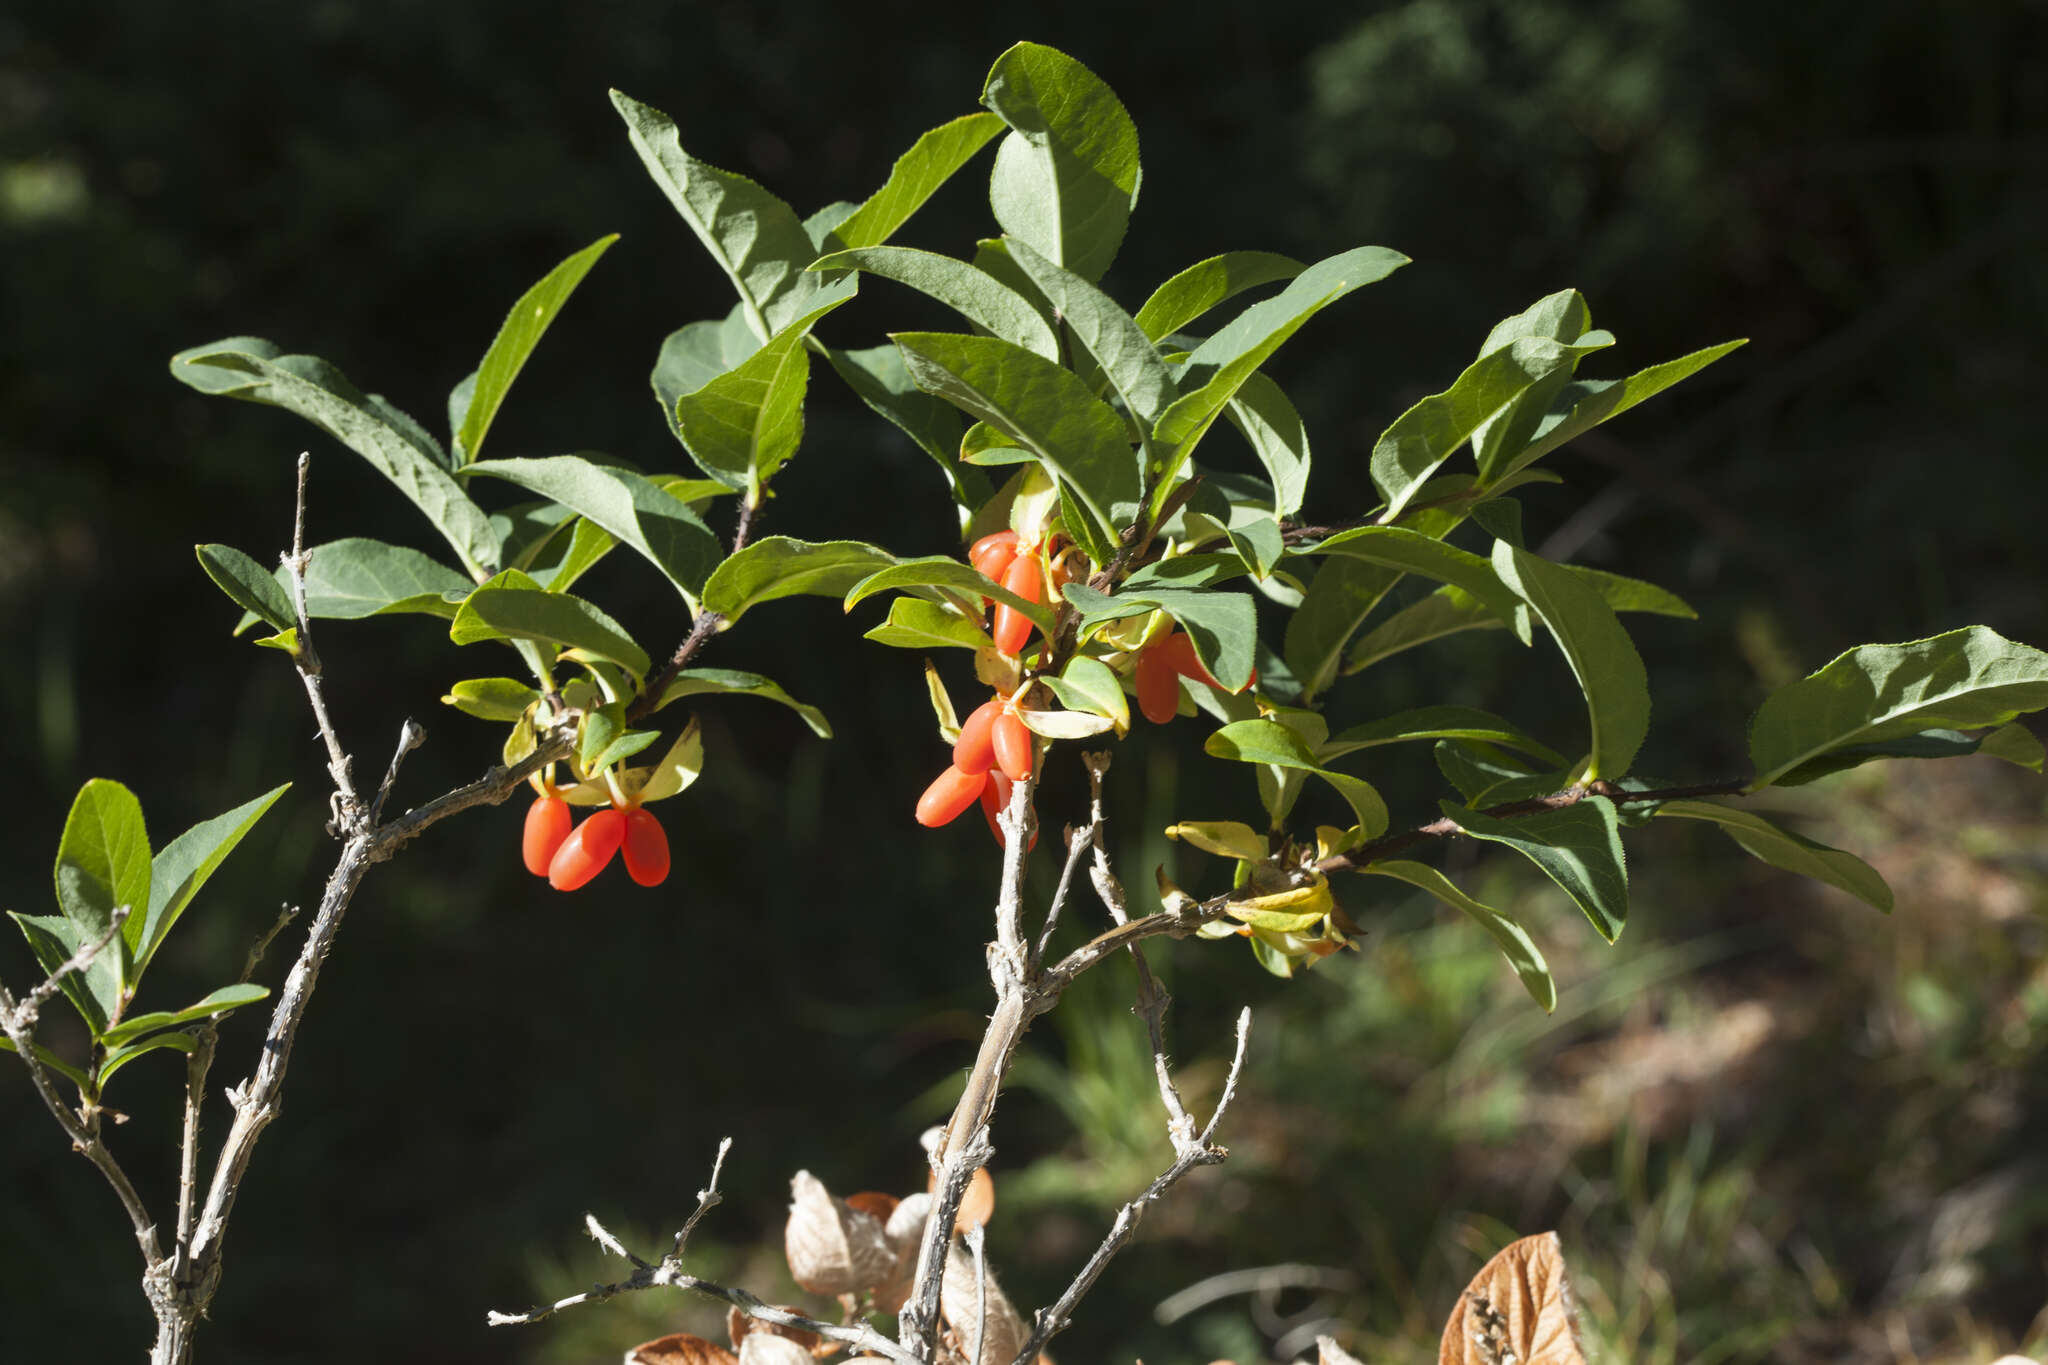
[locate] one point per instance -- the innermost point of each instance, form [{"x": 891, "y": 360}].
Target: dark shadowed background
[{"x": 1761, "y": 1123}]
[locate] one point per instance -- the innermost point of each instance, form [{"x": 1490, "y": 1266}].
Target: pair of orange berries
[
  {"x": 1161, "y": 666},
  {"x": 570, "y": 858},
  {"x": 994, "y": 751},
  {"x": 1005, "y": 557}
]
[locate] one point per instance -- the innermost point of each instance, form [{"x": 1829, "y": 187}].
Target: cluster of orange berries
[
  {"x": 570, "y": 858},
  {"x": 993, "y": 753}
]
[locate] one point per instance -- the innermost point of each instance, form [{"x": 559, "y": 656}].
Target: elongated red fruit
[
  {"x": 645, "y": 847},
  {"x": 1181, "y": 651},
  {"x": 1012, "y": 742},
  {"x": 944, "y": 799},
  {"x": 974, "y": 751},
  {"x": 992, "y": 554},
  {"x": 587, "y": 850},
  {"x": 547, "y": 824},
  {"x": 1158, "y": 685},
  {"x": 1012, "y": 628},
  {"x": 994, "y": 797}
]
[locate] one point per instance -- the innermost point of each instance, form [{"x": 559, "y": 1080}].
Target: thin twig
[
  {"x": 410, "y": 736},
  {"x": 1049, "y": 1322},
  {"x": 307, "y": 658},
  {"x": 708, "y": 1198},
  {"x": 977, "y": 1247},
  {"x": 707, "y": 624}
]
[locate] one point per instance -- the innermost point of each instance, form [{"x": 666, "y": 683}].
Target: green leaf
[
  {"x": 1602, "y": 656},
  {"x": 1040, "y": 406},
  {"x": 1218, "y": 368},
  {"x": 1577, "y": 846},
  {"x": 1067, "y": 175},
  {"x": 121, "y": 1056},
  {"x": 248, "y": 584},
  {"x": 1488, "y": 776},
  {"x": 521, "y": 332},
  {"x": 756, "y": 238},
  {"x": 1423, "y": 437},
  {"x": 974, "y": 294},
  {"x": 1270, "y": 423},
  {"x": 50, "y": 1060},
  {"x": 781, "y": 567},
  {"x": 917, "y": 174},
  {"x": 1585, "y": 404},
  {"x": 1188, "y": 571},
  {"x": 102, "y": 863},
  {"x": 620, "y": 746},
  {"x": 1792, "y": 852},
  {"x": 942, "y": 571},
  {"x": 221, "y": 1001},
  {"x": 1123, "y": 353},
  {"x": 693, "y": 356},
  {"x": 746, "y": 424},
  {"x": 1438, "y": 722},
  {"x": 495, "y": 699},
  {"x": 1966, "y": 679},
  {"x": 1633, "y": 594},
  {"x": 878, "y": 375},
  {"x": 1258, "y": 542},
  {"x": 1205, "y": 284},
  {"x": 183, "y": 866},
  {"x": 731, "y": 682},
  {"x": 1266, "y": 741},
  {"x": 1396, "y": 547},
  {"x": 1521, "y": 950},
  {"x": 1224, "y": 626},
  {"x": 588, "y": 544},
  {"x": 1090, "y": 685},
  {"x": 356, "y": 577},
  {"x": 549, "y": 617},
  {"x": 2015, "y": 744},
  {"x": 54, "y": 939},
  {"x": 1341, "y": 595},
  {"x": 632, "y": 509},
  {"x": 396, "y": 447},
  {"x": 917, "y": 624}
]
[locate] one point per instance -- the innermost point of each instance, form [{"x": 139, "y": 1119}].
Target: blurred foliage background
[{"x": 1770, "y": 1125}]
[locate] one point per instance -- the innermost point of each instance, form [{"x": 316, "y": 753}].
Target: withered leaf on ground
[
  {"x": 679, "y": 1348},
  {"x": 1518, "y": 1310}
]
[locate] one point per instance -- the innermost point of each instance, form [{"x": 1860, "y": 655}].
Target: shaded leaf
[
  {"x": 50, "y": 1060},
  {"x": 1792, "y": 852},
  {"x": 119, "y": 1057},
  {"x": 248, "y": 584},
  {"x": 1123, "y": 353},
  {"x": 732, "y": 682},
  {"x": 1602, "y": 656},
  {"x": 1577, "y": 846},
  {"x": 53, "y": 939},
  {"x": 221, "y": 1001},
  {"x": 1438, "y": 722},
  {"x": 975, "y": 295},
  {"x": 1521, "y": 950},
  {"x": 1586, "y": 403},
  {"x": 1270, "y": 423},
  {"x": 1265, "y": 741}
]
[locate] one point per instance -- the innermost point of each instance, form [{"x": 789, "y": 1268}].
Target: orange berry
[
  {"x": 587, "y": 850},
  {"x": 645, "y": 847},
  {"x": 1012, "y": 628},
  {"x": 1012, "y": 742},
  {"x": 953, "y": 791},
  {"x": 1158, "y": 684},
  {"x": 992, "y": 554},
  {"x": 1180, "y": 651},
  {"x": 974, "y": 751},
  {"x": 547, "y": 824}
]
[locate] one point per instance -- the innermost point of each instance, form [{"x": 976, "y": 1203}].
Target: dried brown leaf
[
  {"x": 679, "y": 1348},
  {"x": 738, "y": 1325},
  {"x": 833, "y": 1248},
  {"x": 904, "y": 1231},
  {"x": 1518, "y": 1310},
  {"x": 1328, "y": 1352},
  {"x": 958, "y": 1297},
  {"x": 766, "y": 1348}
]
